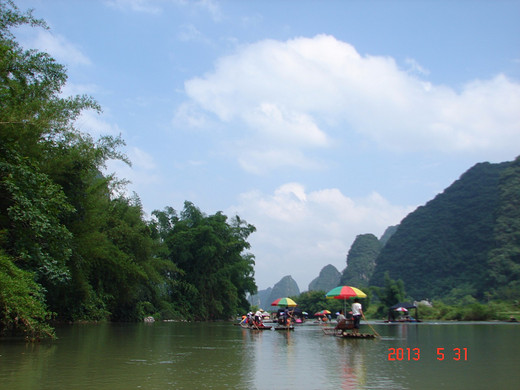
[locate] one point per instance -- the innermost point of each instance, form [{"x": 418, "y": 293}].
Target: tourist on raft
[
  {"x": 341, "y": 321},
  {"x": 357, "y": 312}
]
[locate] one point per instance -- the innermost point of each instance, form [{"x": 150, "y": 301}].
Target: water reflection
[{"x": 221, "y": 356}]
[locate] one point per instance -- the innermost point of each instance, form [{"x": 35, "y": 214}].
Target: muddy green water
[{"x": 223, "y": 356}]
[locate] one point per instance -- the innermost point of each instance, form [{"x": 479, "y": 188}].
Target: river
[{"x": 176, "y": 355}]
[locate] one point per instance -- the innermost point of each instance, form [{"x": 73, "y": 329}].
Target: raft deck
[{"x": 347, "y": 335}]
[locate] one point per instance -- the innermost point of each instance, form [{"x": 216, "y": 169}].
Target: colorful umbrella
[
  {"x": 345, "y": 292},
  {"x": 284, "y": 302},
  {"x": 401, "y": 309},
  {"x": 322, "y": 313}
]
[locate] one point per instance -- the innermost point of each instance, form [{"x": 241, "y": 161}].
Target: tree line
[{"x": 73, "y": 247}]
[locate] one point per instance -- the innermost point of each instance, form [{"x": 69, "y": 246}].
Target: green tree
[
  {"x": 217, "y": 272},
  {"x": 361, "y": 261},
  {"x": 315, "y": 301},
  {"x": 504, "y": 259},
  {"x": 32, "y": 117},
  {"x": 50, "y": 176},
  {"x": 391, "y": 293},
  {"x": 22, "y": 302}
]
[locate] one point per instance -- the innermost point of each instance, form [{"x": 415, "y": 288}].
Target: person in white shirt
[
  {"x": 357, "y": 312},
  {"x": 258, "y": 317}
]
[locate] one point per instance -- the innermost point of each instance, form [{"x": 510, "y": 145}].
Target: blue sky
[{"x": 315, "y": 121}]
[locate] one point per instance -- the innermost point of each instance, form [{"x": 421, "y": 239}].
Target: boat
[
  {"x": 347, "y": 335},
  {"x": 400, "y": 321},
  {"x": 255, "y": 327},
  {"x": 400, "y": 312}
]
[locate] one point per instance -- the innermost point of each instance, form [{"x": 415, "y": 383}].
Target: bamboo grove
[{"x": 72, "y": 247}]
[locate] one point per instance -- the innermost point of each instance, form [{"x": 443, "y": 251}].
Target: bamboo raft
[
  {"x": 284, "y": 328},
  {"x": 347, "y": 335},
  {"x": 255, "y": 327}
]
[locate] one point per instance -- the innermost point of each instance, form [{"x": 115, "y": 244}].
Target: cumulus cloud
[
  {"x": 300, "y": 231},
  {"x": 60, "y": 48},
  {"x": 294, "y": 95}
]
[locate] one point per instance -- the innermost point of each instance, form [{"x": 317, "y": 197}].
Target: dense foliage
[
  {"x": 71, "y": 248},
  {"x": 469, "y": 311},
  {"x": 447, "y": 243},
  {"x": 216, "y": 273},
  {"x": 504, "y": 259},
  {"x": 361, "y": 260},
  {"x": 315, "y": 301}
]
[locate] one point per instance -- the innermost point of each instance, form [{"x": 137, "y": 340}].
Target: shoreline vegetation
[
  {"x": 74, "y": 249},
  {"x": 73, "y": 246},
  {"x": 439, "y": 311}
]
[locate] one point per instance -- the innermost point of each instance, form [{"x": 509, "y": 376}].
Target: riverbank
[{"x": 468, "y": 310}]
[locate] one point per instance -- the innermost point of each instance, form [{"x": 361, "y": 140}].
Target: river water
[{"x": 222, "y": 356}]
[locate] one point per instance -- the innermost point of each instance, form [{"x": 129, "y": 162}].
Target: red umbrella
[{"x": 321, "y": 313}]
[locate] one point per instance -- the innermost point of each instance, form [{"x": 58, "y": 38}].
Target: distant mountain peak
[{"x": 328, "y": 279}]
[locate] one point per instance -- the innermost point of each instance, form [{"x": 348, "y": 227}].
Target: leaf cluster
[{"x": 73, "y": 245}]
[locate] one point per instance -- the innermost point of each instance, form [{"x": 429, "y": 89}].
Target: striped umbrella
[
  {"x": 284, "y": 302},
  {"x": 345, "y": 292}
]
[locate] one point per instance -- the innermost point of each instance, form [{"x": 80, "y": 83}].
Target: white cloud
[
  {"x": 189, "y": 33},
  {"x": 212, "y": 7},
  {"x": 291, "y": 96},
  {"x": 92, "y": 123},
  {"x": 263, "y": 159},
  {"x": 142, "y": 174},
  {"x": 299, "y": 232},
  {"x": 141, "y": 160},
  {"x": 285, "y": 127},
  {"x": 59, "y": 48},
  {"x": 191, "y": 115},
  {"x": 145, "y": 6},
  {"x": 71, "y": 89},
  {"x": 415, "y": 67},
  {"x": 156, "y": 6}
]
